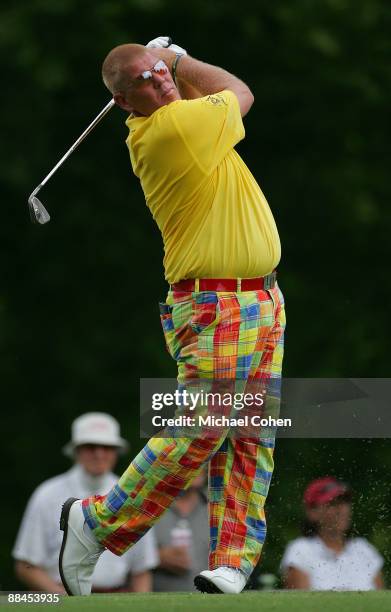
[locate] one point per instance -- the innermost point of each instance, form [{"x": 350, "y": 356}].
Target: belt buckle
[{"x": 269, "y": 281}]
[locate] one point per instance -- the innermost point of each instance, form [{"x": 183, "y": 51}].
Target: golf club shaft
[{"x": 103, "y": 112}]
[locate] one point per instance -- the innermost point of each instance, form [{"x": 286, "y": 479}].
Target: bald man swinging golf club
[{"x": 223, "y": 318}]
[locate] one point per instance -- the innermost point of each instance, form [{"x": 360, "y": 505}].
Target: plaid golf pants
[{"x": 216, "y": 336}]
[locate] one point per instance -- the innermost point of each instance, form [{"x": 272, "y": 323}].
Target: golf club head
[{"x": 38, "y": 213}]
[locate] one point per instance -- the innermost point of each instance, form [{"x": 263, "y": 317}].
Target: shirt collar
[{"x": 86, "y": 482}]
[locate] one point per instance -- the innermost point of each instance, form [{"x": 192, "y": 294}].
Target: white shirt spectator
[
  {"x": 39, "y": 538},
  {"x": 353, "y": 569}
]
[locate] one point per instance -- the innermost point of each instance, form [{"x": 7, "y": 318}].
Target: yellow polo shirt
[{"x": 214, "y": 219}]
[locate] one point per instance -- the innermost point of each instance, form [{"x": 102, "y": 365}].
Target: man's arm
[
  {"x": 32, "y": 544},
  {"x": 379, "y": 581},
  {"x": 196, "y": 79},
  {"x": 296, "y": 579},
  {"x": 175, "y": 559},
  {"x": 141, "y": 583},
  {"x": 36, "y": 578}
]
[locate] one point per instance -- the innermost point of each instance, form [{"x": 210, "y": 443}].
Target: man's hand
[
  {"x": 141, "y": 583},
  {"x": 160, "y": 41},
  {"x": 175, "y": 559},
  {"x": 164, "y": 42},
  {"x": 196, "y": 79}
]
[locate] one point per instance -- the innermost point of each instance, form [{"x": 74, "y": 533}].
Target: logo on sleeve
[{"x": 216, "y": 99}]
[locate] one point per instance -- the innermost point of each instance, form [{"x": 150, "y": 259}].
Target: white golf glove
[
  {"x": 164, "y": 42},
  {"x": 160, "y": 41}
]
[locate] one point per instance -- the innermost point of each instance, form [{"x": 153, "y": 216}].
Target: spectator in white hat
[{"x": 94, "y": 447}]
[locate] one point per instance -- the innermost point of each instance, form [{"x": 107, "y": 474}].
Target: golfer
[{"x": 223, "y": 319}]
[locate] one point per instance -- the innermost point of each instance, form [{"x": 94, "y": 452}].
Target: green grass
[{"x": 378, "y": 601}]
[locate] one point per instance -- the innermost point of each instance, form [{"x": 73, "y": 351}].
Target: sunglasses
[{"x": 159, "y": 68}]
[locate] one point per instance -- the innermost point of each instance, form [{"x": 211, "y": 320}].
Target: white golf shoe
[
  {"x": 80, "y": 550},
  {"x": 221, "y": 580}
]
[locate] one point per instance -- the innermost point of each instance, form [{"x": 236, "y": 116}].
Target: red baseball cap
[{"x": 324, "y": 490}]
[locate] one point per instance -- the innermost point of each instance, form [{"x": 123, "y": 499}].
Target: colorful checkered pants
[{"x": 211, "y": 335}]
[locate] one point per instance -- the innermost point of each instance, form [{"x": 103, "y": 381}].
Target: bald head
[{"x": 115, "y": 68}]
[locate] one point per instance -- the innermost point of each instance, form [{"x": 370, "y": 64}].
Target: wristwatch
[{"x": 175, "y": 66}]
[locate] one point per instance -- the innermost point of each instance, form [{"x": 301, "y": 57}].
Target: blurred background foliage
[{"x": 79, "y": 322}]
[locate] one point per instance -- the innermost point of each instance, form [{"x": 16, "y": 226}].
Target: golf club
[{"x": 38, "y": 213}]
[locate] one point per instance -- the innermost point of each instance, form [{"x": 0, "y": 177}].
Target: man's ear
[{"x": 120, "y": 100}]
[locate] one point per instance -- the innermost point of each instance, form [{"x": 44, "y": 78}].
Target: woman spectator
[{"x": 327, "y": 557}]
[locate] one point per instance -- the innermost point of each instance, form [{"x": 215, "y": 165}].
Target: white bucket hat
[{"x": 95, "y": 428}]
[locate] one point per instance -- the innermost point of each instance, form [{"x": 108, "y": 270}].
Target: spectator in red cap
[{"x": 327, "y": 558}]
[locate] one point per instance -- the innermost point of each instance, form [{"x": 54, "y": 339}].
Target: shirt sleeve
[
  {"x": 31, "y": 541},
  {"x": 143, "y": 555},
  {"x": 373, "y": 559},
  {"x": 296, "y": 555},
  {"x": 209, "y": 127}
]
